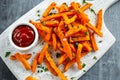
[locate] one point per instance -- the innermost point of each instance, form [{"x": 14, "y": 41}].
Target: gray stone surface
[{"x": 107, "y": 68}]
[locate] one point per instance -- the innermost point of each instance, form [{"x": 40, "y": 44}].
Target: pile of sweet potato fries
[{"x": 69, "y": 31}]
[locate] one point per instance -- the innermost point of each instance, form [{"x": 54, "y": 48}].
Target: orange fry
[
  {"x": 54, "y": 42},
  {"x": 56, "y": 16},
  {"x": 75, "y": 6},
  {"x": 86, "y": 6},
  {"x": 78, "y": 39},
  {"x": 53, "y": 65},
  {"x": 23, "y": 61},
  {"x": 93, "y": 42},
  {"x": 94, "y": 29},
  {"x": 69, "y": 64},
  {"x": 42, "y": 54},
  {"x": 62, "y": 59},
  {"x": 52, "y": 23},
  {"x": 99, "y": 20},
  {"x": 78, "y": 56},
  {"x": 50, "y": 68},
  {"x": 52, "y": 5},
  {"x": 26, "y": 56},
  {"x": 34, "y": 63},
  {"x": 63, "y": 8},
  {"x": 31, "y": 78}
]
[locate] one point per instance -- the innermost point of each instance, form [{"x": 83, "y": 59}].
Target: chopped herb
[
  {"x": 38, "y": 71},
  {"x": 95, "y": 58},
  {"x": 7, "y": 54},
  {"x": 76, "y": 44},
  {"x": 84, "y": 2},
  {"x": 42, "y": 43},
  {"x": 86, "y": 33},
  {"x": 38, "y": 11},
  {"x": 100, "y": 41},
  {"x": 39, "y": 15},
  {"x": 46, "y": 69},
  {"x": 40, "y": 66},
  {"x": 84, "y": 70},
  {"x": 72, "y": 78},
  {"x": 58, "y": 55},
  {"x": 43, "y": 67},
  {"x": 41, "y": 70},
  {"x": 44, "y": 23},
  {"x": 83, "y": 65},
  {"x": 92, "y": 10}
]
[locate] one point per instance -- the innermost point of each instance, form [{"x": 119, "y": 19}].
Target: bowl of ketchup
[{"x": 23, "y": 36}]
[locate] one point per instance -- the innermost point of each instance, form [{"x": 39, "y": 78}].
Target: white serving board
[{"x": 18, "y": 70}]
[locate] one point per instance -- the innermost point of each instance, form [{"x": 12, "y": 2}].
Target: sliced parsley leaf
[
  {"x": 84, "y": 70},
  {"x": 46, "y": 69},
  {"x": 95, "y": 58},
  {"x": 84, "y": 2},
  {"x": 76, "y": 44},
  {"x": 38, "y": 11},
  {"x": 58, "y": 55},
  {"x": 86, "y": 33},
  {"x": 83, "y": 65},
  {"x": 100, "y": 41},
  {"x": 92, "y": 10},
  {"x": 38, "y": 15},
  {"x": 7, "y": 54},
  {"x": 41, "y": 70},
  {"x": 40, "y": 66},
  {"x": 72, "y": 78},
  {"x": 38, "y": 71}
]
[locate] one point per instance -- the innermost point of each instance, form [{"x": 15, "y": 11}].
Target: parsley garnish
[
  {"x": 83, "y": 65},
  {"x": 76, "y": 44},
  {"x": 100, "y": 41},
  {"x": 84, "y": 70},
  {"x": 84, "y": 2},
  {"x": 72, "y": 78},
  {"x": 39, "y": 15},
  {"x": 86, "y": 33},
  {"x": 40, "y": 66},
  {"x": 92, "y": 10},
  {"x": 7, "y": 54},
  {"x": 95, "y": 58},
  {"x": 38, "y": 11},
  {"x": 58, "y": 55},
  {"x": 41, "y": 70},
  {"x": 43, "y": 67},
  {"x": 38, "y": 71},
  {"x": 46, "y": 69}
]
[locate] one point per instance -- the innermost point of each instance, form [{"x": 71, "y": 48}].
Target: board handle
[{"x": 103, "y": 4}]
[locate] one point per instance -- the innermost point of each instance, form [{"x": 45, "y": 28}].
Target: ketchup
[{"x": 23, "y": 36}]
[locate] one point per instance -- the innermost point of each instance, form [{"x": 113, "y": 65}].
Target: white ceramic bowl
[{"x": 23, "y": 48}]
